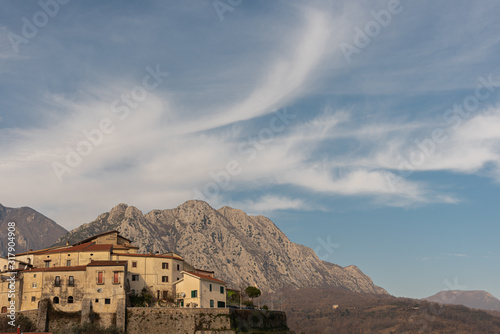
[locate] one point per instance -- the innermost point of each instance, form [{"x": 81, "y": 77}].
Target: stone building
[{"x": 102, "y": 271}]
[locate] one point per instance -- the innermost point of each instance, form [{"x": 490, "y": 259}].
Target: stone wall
[
  {"x": 31, "y": 315},
  {"x": 142, "y": 320}
]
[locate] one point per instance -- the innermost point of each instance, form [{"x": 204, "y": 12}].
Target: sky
[{"x": 366, "y": 130}]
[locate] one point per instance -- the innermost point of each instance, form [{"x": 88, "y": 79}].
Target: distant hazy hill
[
  {"x": 33, "y": 229},
  {"x": 243, "y": 250},
  {"x": 474, "y": 299},
  {"x": 334, "y": 310}
]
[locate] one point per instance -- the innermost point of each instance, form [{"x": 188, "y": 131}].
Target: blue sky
[{"x": 368, "y": 131}]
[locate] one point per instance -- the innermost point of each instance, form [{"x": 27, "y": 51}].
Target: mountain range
[
  {"x": 242, "y": 250},
  {"x": 33, "y": 230}
]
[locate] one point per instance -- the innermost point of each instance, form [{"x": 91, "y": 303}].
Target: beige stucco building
[{"x": 200, "y": 289}]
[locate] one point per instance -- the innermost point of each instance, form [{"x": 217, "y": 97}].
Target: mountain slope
[
  {"x": 33, "y": 229},
  {"x": 243, "y": 250},
  {"x": 474, "y": 299}
]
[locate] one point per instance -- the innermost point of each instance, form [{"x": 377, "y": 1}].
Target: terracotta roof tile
[
  {"x": 87, "y": 247},
  {"x": 206, "y": 277}
]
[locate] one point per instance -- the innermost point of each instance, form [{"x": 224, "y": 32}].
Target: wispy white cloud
[
  {"x": 270, "y": 203},
  {"x": 162, "y": 151}
]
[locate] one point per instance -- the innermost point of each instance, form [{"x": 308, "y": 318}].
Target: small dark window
[
  {"x": 107, "y": 301},
  {"x": 164, "y": 265},
  {"x": 97, "y": 300},
  {"x": 134, "y": 264},
  {"x": 47, "y": 264},
  {"x": 55, "y": 300},
  {"x": 135, "y": 278},
  {"x": 178, "y": 267},
  {"x": 116, "y": 277},
  {"x": 212, "y": 303},
  {"x": 164, "y": 279},
  {"x": 68, "y": 263},
  {"x": 221, "y": 289},
  {"x": 71, "y": 281},
  {"x": 57, "y": 281},
  {"x": 33, "y": 299},
  {"x": 70, "y": 300},
  {"x": 210, "y": 287},
  {"x": 194, "y": 293}
]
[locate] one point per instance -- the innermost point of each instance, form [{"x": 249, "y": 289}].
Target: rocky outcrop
[
  {"x": 33, "y": 230},
  {"x": 243, "y": 250}
]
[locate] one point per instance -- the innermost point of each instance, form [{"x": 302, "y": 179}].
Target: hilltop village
[{"x": 105, "y": 272}]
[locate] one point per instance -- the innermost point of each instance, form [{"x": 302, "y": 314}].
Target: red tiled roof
[
  {"x": 65, "y": 268},
  {"x": 209, "y": 278},
  {"x": 42, "y": 250},
  {"x": 87, "y": 247},
  {"x": 150, "y": 255},
  {"x": 106, "y": 263}
]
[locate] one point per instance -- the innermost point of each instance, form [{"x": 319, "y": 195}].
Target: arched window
[
  {"x": 55, "y": 300},
  {"x": 4, "y": 309},
  {"x": 70, "y": 300}
]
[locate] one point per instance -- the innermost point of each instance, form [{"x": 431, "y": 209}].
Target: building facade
[{"x": 102, "y": 271}]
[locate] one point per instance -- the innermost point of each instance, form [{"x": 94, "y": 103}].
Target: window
[
  {"x": 211, "y": 303},
  {"x": 164, "y": 265},
  {"x": 34, "y": 285},
  {"x": 100, "y": 277},
  {"x": 47, "y": 263},
  {"x": 134, "y": 264},
  {"x": 221, "y": 289},
  {"x": 194, "y": 293},
  {"x": 55, "y": 300},
  {"x": 97, "y": 300},
  {"x": 34, "y": 275},
  {"x": 164, "y": 279},
  {"x": 164, "y": 294},
  {"x": 210, "y": 287},
  {"x": 57, "y": 281},
  {"x": 116, "y": 277},
  {"x": 221, "y": 304},
  {"x": 135, "y": 278},
  {"x": 178, "y": 267},
  {"x": 107, "y": 301},
  {"x": 70, "y": 300},
  {"x": 68, "y": 263},
  {"x": 71, "y": 281},
  {"x": 33, "y": 299}
]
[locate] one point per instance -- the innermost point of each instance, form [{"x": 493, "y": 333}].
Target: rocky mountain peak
[
  {"x": 242, "y": 250},
  {"x": 132, "y": 212},
  {"x": 33, "y": 230}
]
